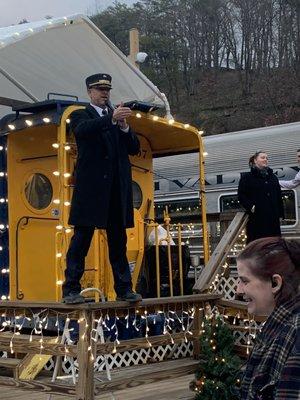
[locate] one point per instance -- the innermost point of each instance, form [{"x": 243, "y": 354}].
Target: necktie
[{"x": 104, "y": 112}]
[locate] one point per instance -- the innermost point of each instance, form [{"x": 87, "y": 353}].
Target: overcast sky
[{"x": 13, "y": 11}]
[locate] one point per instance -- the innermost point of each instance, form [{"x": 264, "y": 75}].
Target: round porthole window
[
  {"x": 137, "y": 195},
  {"x": 38, "y": 191}
]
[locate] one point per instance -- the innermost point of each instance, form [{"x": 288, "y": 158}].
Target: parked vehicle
[{"x": 176, "y": 177}]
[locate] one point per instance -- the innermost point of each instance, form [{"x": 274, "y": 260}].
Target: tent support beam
[
  {"x": 7, "y": 101},
  {"x": 127, "y": 61},
  {"x": 18, "y": 85}
]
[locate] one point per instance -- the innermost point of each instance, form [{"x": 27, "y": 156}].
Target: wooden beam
[
  {"x": 86, "y": 350},
  {"x": 198, "y": 318},
  {"x": 54, "y": 306},
  {"x": 21, "y": 344},
  {"x": 142, "y": 343},
  {"x": 37, "y": 386},
  {"x": 152, "y": 373},
  {"x": 134, "y": 45},
  {"x": 11, "y": 363},
  {"x": 220, "y": 253}
]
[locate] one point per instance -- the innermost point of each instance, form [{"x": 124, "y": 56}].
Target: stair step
[
  {"x": 9, "y": 362},
  {"x": 142, "y": 374}
]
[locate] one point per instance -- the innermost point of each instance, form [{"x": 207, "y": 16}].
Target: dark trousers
[{"x": 79, "y": 247}]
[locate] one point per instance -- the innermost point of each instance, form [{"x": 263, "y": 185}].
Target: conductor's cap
[{"x": 98, "y": 81}]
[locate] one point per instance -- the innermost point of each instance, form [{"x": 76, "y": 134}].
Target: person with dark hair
[
  {"x": 102, "y": 196},
  {"x": 260, "y": 194},
  {"x": 269, "y": 281},
  {"x": 291, "y": 184}
]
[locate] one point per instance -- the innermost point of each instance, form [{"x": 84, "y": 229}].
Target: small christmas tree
[{"x": 219, "y": 367}]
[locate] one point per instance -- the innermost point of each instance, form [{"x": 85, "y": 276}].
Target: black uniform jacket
[
  {"x": 103, "y": 151},
  {"x": 265, "y": 194}
]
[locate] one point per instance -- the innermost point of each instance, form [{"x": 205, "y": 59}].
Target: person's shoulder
[
  {"x": 271, "y": 173},
  {"x": 291, "y": 310},
  {"x": 245, "y": 175},
  {"x": 78, "y": 115},
  {"x": 80, "y": 112},
  {"x": 291, "y": 332}
]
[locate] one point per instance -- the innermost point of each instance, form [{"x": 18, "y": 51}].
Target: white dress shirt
[{"x": 99, "y": 109}]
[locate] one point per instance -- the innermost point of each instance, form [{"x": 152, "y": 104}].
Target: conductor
[{"x": 102, "y": 196}]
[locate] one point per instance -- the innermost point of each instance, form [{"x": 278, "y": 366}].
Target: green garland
[{"x": 219, "y": 367}]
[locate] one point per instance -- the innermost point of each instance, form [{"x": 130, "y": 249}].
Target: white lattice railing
[{"x": 134, "y": 357}]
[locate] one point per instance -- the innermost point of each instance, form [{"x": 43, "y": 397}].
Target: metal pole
[{"x": 203, "y": 200}]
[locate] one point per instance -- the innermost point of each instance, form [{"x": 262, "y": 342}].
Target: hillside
[
  {"x": 224, "y": 65},
  {"x": 218, "y": 104}
]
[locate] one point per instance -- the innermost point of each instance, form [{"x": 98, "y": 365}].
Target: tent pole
[{"x": 18, "y": 85}]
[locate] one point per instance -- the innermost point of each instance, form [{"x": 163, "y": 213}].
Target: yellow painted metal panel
[
  {"x": 37, "y": 248},
  {"x": 32, "y": 237}
]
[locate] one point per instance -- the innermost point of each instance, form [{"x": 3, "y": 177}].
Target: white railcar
[{"x": 176, "y": 183}]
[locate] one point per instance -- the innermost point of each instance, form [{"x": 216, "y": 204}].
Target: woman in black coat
[{"x": 260, "y": 194}]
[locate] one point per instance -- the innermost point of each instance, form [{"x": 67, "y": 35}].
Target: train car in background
[{"x": 227, "y": 155}]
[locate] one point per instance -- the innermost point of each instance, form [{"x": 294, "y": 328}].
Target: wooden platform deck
[
  {"x": 172, "y": 389},
  {"x": 165, "y": 380}
]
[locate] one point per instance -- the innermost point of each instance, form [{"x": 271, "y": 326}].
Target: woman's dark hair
[
  {"x": 254, "y": 157},
  {"x": 275, "y": 255}
]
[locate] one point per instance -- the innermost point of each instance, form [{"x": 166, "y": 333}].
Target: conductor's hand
[{"x": 120, "y": 114}]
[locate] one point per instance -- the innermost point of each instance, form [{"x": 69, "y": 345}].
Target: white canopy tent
[{"x": 56, "y": 56}]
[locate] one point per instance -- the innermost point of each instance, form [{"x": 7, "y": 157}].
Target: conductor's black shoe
[
  {"x": 129, "y": 296},
  {"x": 73, "y": 298}
]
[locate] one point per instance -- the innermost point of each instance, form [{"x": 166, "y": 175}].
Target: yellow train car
[{"x": 41, "y": 155}]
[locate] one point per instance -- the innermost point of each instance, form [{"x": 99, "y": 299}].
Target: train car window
[
  {"x": 289, "y": 205},
  {"x": 38, "y": 191},
  {"x": 230, "y": 203},
  {"x": 137, "y": 195},
  {"x": 181, "y": 209}
]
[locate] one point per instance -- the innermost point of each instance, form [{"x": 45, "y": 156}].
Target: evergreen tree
[{"x": 219, "y": 367}]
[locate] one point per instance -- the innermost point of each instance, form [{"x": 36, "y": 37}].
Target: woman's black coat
[
  {"x": 265, "y": 194},
  {"x": 103, "y": 151}
]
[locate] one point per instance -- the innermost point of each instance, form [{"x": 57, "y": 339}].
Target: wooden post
[
  {"x": 198, "y": 317},
  {"x": 134, "y": 45},
  {"x": 86, "y": 352}
]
